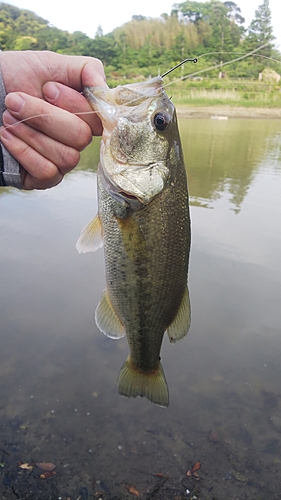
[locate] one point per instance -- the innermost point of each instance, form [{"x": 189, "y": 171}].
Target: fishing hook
[{"x": 178, "y": 65}]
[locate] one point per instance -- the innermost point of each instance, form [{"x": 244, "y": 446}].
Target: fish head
[{"x": 139, "y": 123}]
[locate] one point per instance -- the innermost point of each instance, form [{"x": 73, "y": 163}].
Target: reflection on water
[
  {"x": 224, "y": 156},
  {"x": 58, "y": 398}
]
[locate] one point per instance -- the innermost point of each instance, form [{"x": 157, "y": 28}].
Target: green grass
[
  {"x": 234, "y": 101},
  {"x": 245, "y": 94},
  {"x": 217, "y": 92}
]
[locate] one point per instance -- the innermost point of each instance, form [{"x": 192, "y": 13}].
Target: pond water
[{"x": 58, "y": 397}]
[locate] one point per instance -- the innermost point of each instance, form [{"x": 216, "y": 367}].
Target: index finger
[
  {"x": 70, "y": 100},
  {"x": 57, "y": 123}
]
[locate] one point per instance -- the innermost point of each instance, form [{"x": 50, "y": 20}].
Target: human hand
[{"x": 43, "y": 88}]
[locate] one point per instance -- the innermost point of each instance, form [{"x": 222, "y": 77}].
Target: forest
[{"x": 214, "y": 31}]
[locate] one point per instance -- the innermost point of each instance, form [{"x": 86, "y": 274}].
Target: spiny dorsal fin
[
  {"x": 178, "y": 329},
  {"x": 90, "y": 238}
]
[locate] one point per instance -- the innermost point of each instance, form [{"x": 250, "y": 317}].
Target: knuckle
[
  {"x": 43, "y": 183},
  {"x": 97, "y": 128},
  {"x": 86, "y": 141},
  {"x": 20, "y": 150},
  {"x": 69, "y": 158},
  {"x": 83, "y": 136},
  {"x": 73, "y": 158},
  {"x": 95, "y": 60},
  {"x": 47, "y": 172},
  {"x": 99, "y": 63},
  {"x": 39, "y": 172},
  {"x": 44, "y": 173}
]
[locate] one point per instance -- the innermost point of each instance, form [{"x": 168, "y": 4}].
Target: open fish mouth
[
  {"x": 126, "y": 200},
  {"x": 128, "y": 195}
]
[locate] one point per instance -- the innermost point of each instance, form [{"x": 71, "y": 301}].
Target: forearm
[{"x": 9, "y": 167}]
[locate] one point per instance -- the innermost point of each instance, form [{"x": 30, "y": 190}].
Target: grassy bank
[
  {"x": 214, "y": 92},
  {"x": 244, "y": 94},
  {"x": 226, "y": 111},
  {"x": 234, "y": 99}
]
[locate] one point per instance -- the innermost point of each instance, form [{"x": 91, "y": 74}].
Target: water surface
[{"x": 58, "y": 397}]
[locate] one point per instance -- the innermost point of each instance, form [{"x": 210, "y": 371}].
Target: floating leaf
[
  {"x": 196, "y": 466},
  {"x": 47, "y": 474},
  {"x": 26, "y": 466},
  {"x": 47, "y": 466},
  {"x": 132, "y": 489}
]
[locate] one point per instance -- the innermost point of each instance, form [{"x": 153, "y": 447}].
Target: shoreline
[{"x": 225, "y": 112}]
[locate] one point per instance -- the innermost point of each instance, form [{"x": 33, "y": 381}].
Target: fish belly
[{"x": 146, "y": 260}]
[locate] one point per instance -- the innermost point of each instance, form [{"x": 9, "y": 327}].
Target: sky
[{"x": 87, "y": 15}]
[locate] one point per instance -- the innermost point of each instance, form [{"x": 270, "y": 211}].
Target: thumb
[
  {"x": 79, "y": 71},
  {"x": 93, "y": 74}
]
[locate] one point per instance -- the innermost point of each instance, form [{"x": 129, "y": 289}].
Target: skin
[{"x": 49, "y": 85}]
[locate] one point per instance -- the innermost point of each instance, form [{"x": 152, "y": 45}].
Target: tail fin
[{"x": 152, "y": 385}]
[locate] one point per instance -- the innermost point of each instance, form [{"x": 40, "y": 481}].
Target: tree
[
  {"x": 104, "y": 48},
  {"x": 25, "y": 43},
  {"x": 234, "y": 12},
  {"x": 99, "y": 31},
  {"x": 221, "y": 39},
  {"x": 260, "y": 31},
  {"x": 138, "y": 18},
  {"x": 222, "y": 20},
  {"x": 193, "y": 28}
]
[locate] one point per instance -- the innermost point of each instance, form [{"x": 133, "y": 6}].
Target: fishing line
[
  {"x": 220, "y": 65},
  {"x": 194, "y": 60},
  {"x": 49, "y": 114}
]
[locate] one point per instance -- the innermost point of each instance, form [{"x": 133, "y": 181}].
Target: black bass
[{"x": 144, "y": 224}]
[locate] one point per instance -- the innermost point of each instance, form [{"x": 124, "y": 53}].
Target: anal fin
[
  {"x": 107, "y": 320},
  {"x": 178, "y": 329}
]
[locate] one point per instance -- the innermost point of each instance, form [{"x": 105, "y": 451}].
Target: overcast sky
[{"x": 87, "y": 15}]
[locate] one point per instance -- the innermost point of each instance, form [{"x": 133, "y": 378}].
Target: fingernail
[
  {"x": 14, "y": 102},
  {"x": 51, "y": 91},
  {"x": 6, "y": 135},
  {"x": 8, "y": 119}
]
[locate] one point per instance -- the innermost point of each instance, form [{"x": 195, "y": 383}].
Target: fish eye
[{"x": 161, "y": 121}]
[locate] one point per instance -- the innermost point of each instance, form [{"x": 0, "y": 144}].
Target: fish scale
[{"x": 143, "y": 218}]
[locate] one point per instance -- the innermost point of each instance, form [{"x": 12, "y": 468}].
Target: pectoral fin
[
  {"x": 178, "y": 329},
  {"x": 107, "y": 320},
  {"x": 91, "y": 237}
]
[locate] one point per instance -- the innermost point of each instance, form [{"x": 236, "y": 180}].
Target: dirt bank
[{"x": 227, "y": 112}]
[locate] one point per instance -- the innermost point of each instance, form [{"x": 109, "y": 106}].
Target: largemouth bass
[{"x": 143, "y": 221}]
